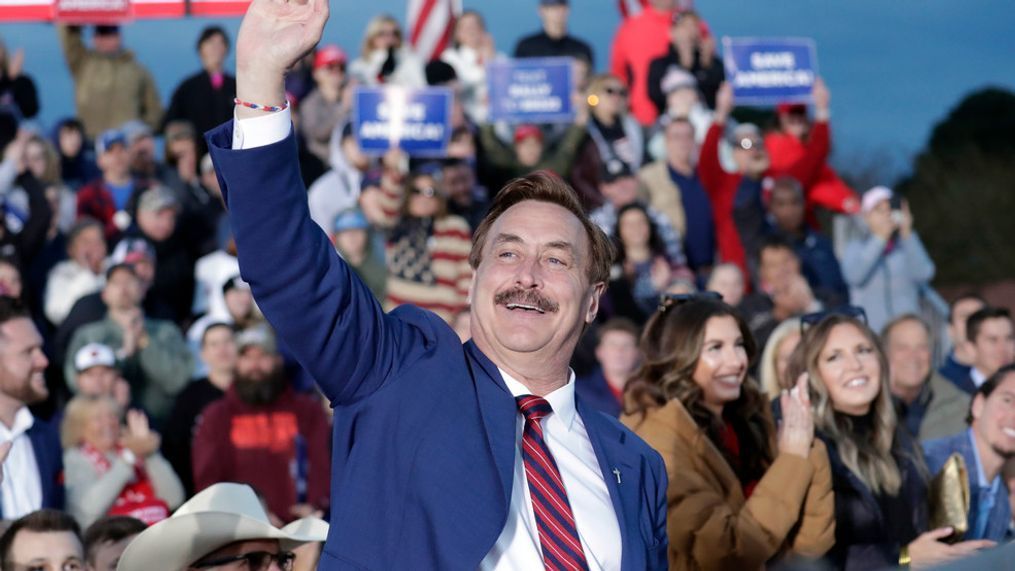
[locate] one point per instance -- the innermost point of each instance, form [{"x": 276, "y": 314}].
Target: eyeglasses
[
  {"x": 748, "y": 143},
  {"x": 255, "y": 560},
  {"x": 621, "y": 91},
  {"x": 668, "y": 300},
  {"x": 853, "y": 311}
]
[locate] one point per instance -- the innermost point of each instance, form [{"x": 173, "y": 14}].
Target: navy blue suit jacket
[
  {"x": 595, "y": 391},
  {"x": 937, "y": 452},
  {"x": 45, "y": 440},
  {"x": 425, "y": 428}
]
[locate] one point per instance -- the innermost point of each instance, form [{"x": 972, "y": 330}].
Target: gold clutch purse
[{"x": 949, "y": 498}]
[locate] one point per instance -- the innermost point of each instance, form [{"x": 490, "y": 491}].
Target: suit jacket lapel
[
  {"x": 614, "y": 458},
  {"x": 499, "y": 412}
]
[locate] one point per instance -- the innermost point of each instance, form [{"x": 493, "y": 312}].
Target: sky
[{"x": 895, "y": 68}]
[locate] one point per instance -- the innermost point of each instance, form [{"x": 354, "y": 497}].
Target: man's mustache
[{"x": 526, "y": 297}]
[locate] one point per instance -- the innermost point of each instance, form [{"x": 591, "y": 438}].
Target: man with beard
[
  {"x": 34, "y": 466},
  {"x": 986, "y": 447},
  {"x": 264, "y": 434}
]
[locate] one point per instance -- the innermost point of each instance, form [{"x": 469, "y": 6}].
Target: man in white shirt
[
  {"x": 445, "y": 456},
  {"x": 34, "y": 464},
  {"x": 992, "y": 335}
]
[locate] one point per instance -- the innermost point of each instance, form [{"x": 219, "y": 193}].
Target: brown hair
[
  {"x": 871, "y": 459},
  {"x": 110, "y": 529},
  {"x": 671, "y": 344},
  {"x": 39, "y": 521},
  {"x": 544, "y": 186},
  {"x": 410, "y": 188}
]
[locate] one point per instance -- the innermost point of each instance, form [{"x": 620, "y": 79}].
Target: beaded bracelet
[{"x": 259, "y": 107}]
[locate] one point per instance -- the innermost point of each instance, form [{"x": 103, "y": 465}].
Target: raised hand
[
  {"x": 138, "y": 437},
  {"x": 16, "y": 64},
  {"x": 796, "y": 433},
  {"x": 822, "y": 98},
  {"x": 274, "y": 35},
  {"x": 723, "y": 102}
]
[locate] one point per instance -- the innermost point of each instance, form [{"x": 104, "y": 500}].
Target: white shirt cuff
[{"x": 256, "y": 132}]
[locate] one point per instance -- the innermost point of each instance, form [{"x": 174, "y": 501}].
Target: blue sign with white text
[
  {"x": 769, "y": 71},
  {"x": 531, "y": 90},
  {"x": 418, "y": 121}
]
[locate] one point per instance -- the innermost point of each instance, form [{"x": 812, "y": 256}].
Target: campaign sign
[
  {"x": 418, "y": 121},
  {"x": 769, "y": 71},
  {"x": 531, "y": 90},
  {"x": 92, "y": 11}
]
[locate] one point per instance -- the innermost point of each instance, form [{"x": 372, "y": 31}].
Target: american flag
[{"x": 431, "y": 24}]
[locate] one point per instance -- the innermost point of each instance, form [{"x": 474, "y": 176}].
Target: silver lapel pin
[{"x": 616, "y": 472}]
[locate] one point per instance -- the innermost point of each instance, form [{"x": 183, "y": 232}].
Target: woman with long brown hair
[
  {"x": 878, "y": 473},
  {"x": 740, "y": 493}
]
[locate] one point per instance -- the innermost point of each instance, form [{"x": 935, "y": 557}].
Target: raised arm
[{"x": 313, "y": 299}]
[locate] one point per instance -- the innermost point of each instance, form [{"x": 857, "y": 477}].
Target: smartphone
[{"x": 896, "y": 204}]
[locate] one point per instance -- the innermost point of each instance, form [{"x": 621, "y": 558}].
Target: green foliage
[{"x": 962, "y": 191}]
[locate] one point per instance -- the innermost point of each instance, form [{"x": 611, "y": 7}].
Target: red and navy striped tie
[{"x": 558, "y": 536}]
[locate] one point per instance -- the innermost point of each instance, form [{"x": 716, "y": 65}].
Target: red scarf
[
  {"x": 731, "y": 443},
  {"x": 137, "y": 499}
]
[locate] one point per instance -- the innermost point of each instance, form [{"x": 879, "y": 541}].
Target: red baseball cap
[
  {"x": 523, "y": 132},
  {"x": 791, "y": 109},
  {"x": 328, "y": 55}
]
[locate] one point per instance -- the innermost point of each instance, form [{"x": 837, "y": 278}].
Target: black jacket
[
  {"x": 19, "y": 92},
  {"x": 709, "y": 75},
  {"x": 195, "y": 100},
  {"x": 542, "y": 45},
  {"x": 871, "y": 530}
]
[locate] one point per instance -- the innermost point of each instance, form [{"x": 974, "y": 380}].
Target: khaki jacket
[
  {"x": 109, "y": 90},
  {"x": 663, "y": 194},
  {"x": 947, "y": 412},
  {"x": 710, "y": 524}
]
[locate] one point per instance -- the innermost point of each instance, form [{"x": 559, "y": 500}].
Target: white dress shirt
[
  {"x": 22, "y": 485},
  {"x": 517, "y": 548},
  {"x": 977, "y": 377}
]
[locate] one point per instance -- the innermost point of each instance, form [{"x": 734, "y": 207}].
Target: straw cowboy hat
[{"x": 220, "y": 515}]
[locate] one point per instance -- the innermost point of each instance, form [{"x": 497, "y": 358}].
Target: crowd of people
[{"x": 790, "y": 383}]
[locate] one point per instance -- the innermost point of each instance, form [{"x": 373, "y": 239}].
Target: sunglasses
[
  {"x": 428, "y": 192},
  {"x": 668, "y": 300},
  {"x": 620, "y": 91},
  {"x": 256, "y": 560},
  {"x": 748, "y": 143},
  {"x": 846, "y": 310}
]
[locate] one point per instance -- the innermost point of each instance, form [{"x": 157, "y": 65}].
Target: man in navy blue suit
[
  {"x": 33, "y": 465},
  {"x": 445, "y": 456}
]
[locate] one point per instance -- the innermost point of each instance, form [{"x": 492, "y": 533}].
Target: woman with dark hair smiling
[
  {"x": 878, "y": 473},
  {"x": 642, "y": 269},
  {"x": 740, "y": 493}
]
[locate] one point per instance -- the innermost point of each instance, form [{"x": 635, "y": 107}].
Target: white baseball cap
[{"x": 94, "y": 355}]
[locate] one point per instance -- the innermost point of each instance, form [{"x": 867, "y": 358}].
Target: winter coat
[
  {"x": 710, "y": 523},
  {"x": 109, "y": 90}
]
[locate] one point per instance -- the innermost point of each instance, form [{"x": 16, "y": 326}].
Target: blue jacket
[
  {"x": 45, "y": 439},
  {"x": 886, "y": 285},
  {"x": 595, "y": 391},
  {"x": 425, "y": 428},
  {"x": 937, "y": 452}
]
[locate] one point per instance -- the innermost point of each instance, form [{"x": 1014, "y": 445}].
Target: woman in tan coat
[{"x": 740, "y": 494}]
